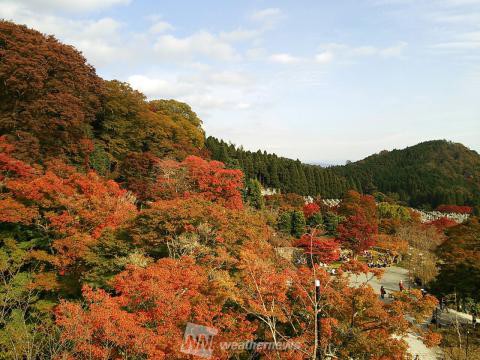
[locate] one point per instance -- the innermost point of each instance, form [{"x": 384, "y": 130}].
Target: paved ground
[
  {"x": 451, "y": 316},
  {"x": 390, "y": 281}
]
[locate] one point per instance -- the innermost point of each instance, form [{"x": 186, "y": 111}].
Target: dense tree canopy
[
  {"x": 53, "y": 105},
  {"x": 428, "y": 174},
  {"x": 460, "y": 267},
  {"x": 49, "y": 95},
  {"x": 129, "y": 124},
  {"x": 358, "y": 231}
]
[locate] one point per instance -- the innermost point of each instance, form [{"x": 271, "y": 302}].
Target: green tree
[
  {"x": 253, "y": 194},
  {"x": 284, "y": 222},
  {"x": 315, "y": 220},
  {"x": 331, "y": 221},
  {"x": 298, "y": 223}
]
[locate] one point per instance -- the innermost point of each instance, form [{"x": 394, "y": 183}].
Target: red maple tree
[
  {"x": 324, "y": 249},
  {"x": 310, "y": 210}
]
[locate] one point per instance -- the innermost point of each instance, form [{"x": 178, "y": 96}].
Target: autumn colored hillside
[
  {"x": 54, "y": 106},
  {"x": 118, "y": 232}
]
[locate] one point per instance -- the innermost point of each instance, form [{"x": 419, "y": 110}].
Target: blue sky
[{"x": 322, "y": 81}]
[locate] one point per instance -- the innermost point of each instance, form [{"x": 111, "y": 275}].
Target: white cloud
[
  {"x": 266, "y": 14},
  {"x": 100, "y": 40},
  {"x": 243, "y": 106},
  {"x": 458, "y": 45},
  {"x": 284, "y": 58},
  {"x": 104, "y": 27},
  {"x": 343, "y": 52},
  {"x": 204, "y": 91},
  {"x": 201, "y": 43},
  {"x": 206, "y": 102},
  {"x": 473, "y": 36},
  {"x": 160, "y": 87},
  {"x": 199, "y": 66},
  {"x": 160, "y": 27},
  {"x": 324, "y": 57}
]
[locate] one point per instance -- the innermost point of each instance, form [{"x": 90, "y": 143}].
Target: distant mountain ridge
[
  {"x": 424, "y": 175},
  {"x": 438, "y": 172}
]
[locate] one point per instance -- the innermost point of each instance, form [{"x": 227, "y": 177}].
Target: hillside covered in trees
[
  {"x": 425, "y": 175},
  {"x": 54, "y": 106}
]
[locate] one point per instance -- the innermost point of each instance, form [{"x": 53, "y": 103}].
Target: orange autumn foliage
[
  {"x": 208, "y": 226},
  {"x": 170, "y": 242},
  {"x": 392, "y": 243},
  {"x": 50, "y": 95},
  {"x": 74, "y": 207},
  {"x": 432, "y": 339},
  {"x": 359, "y": 231},
  {"x": 455, "y": 209},
  {"x": 214, "y": 182},
  {"x": 9, "y": 165},
  {"x": 156, "y": 179},
  {"x": 147, "y": 316},
  {"x": 354, "y": 320},
  {"x": 323, "y": 249},
  {"x": 442, "y": 223},
  {"x": 12, "y": 211}
]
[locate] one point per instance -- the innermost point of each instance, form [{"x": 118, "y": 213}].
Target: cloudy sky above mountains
[{"x": 323, "y": 81}]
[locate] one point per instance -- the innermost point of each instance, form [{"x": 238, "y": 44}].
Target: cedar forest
[{"x": 120, "y": 222}]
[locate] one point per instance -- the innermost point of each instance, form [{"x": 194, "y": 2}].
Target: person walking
[
  {"x": 401, "y": 286},
  {"x": 382, "y": 292}
]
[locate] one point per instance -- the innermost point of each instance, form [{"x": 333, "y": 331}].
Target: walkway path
[
  {"x": 390, "y": 280},
  {"x": 452, "y": 316}
]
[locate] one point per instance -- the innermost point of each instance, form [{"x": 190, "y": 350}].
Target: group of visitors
[
  {"x": 401, "y": 287},
  {"x": 381, "y": 262},
  {"x": 344, "y": 258}
]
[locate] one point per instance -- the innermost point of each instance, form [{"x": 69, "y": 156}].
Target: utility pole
[{"x": 318, "y": 319}]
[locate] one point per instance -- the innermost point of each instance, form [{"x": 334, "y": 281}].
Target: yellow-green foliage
[{"x": 393, "y": 211}]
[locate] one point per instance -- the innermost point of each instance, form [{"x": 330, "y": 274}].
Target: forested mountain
[
  {"x": 53, "y": 105},
  {"x": 432, "y": 172},
  {"x": 290, "y": 176},
  {"x": 427, "y": 174}
]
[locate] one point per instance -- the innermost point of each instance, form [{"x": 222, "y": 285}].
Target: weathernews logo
[{"x": 198, "y": 340}]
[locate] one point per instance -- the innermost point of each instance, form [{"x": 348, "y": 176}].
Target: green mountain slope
[
  {"x": 427, "y": 174},
  {"x": 432, "y": 172}
]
